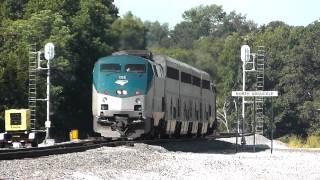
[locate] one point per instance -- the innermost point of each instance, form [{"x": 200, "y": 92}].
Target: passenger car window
[
  {"x": 110, "y": 68},
  {"x": 185, "y": 78},
  {"x": 205, "y": 84},
  {"x": 137, "y": 68},
  {"x": 173, "y": 73}
]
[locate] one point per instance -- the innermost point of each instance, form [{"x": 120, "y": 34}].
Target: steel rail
[{"x": 10, "y": 154}]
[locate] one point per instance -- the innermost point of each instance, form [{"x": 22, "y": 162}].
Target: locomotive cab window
[
  {"x": 136, "y": 68},
  {"x": 110, "y": 67}
]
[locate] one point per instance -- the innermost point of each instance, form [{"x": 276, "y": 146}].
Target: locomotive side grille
[{"x": 137, "y": 108}]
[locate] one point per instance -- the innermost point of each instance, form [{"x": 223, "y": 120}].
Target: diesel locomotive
[{"x": 137, "y": 94}]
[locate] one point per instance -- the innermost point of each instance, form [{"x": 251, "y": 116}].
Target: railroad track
[{"x": 9, "y": 154}]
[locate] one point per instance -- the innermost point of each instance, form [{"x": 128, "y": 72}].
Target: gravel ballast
[{"x": 188, "y": 160}]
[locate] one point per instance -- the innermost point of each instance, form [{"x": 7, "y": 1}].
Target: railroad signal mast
[
  {"x": 257, "y": 62},
  {"x": 20, "y": 124},
  {"x": 257, "y": 66},
  {"x": 35, "y": 64}
]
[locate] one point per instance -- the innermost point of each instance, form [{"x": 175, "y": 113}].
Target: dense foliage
[{"x": 208, "y": 38}]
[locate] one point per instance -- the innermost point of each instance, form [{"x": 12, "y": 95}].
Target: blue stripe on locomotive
[{"x": 105, "y": 81}]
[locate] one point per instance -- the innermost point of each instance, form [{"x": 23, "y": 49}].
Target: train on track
[{"x": 138, "y": 94}]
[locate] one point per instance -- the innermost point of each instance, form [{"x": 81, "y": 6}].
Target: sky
[{"x": 292, "y": 12}]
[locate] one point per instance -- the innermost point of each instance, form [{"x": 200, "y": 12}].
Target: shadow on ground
[{"x": 210, "y": 146}]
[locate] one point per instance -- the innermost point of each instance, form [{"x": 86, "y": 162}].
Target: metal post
[
  {"x": 254, "y": 124},
  {"x": 272, "y": 124},
  {"x": 238, "y": 123},
  {"x": 49, "y": 55},
  {"x": 238, "y": 130},
  {"x": 243, "y": 141},
  {"x": 48, "y": 122}
]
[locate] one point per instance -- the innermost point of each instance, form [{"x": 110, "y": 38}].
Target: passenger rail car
[{"x": 137, "y": 94}]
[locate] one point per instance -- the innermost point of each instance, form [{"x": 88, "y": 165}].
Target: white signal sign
[
  {"x": 49, "y": 51},
  {"x": 245, "y": 53},
  {"x": 255, "y": 93}
]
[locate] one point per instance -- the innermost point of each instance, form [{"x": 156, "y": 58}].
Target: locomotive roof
[
  {"x": 162, "y": 60},
  {"x": 181, "y": 64},
  {"x": 142, "y": 53}
]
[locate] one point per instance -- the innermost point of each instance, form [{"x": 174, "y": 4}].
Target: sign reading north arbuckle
[{"x": 255, "y": 93}]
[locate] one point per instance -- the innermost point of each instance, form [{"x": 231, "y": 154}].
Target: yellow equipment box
[{"x": 17, "y": 119}]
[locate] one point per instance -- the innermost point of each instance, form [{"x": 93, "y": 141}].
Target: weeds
[
  {"x": 312, "y": 141},
  {"x": 295, "y": 141}
]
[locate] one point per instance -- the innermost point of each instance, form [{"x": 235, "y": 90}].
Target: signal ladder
[
  {"x": 260, "y": 87},
  {"x": 32, "y": 100}
]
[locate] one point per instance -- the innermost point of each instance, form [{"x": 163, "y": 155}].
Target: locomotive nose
[{"x": 128, "y": 106}]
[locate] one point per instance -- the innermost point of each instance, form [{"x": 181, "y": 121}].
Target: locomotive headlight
[
  {"x": 138, "y": 101},
  {"x": 124, "y": 92},
  {"x": 31, "y": 135},
  {"x": 119, "y": 92}
]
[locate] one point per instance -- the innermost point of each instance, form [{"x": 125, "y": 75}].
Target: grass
[{"x": 312, "y": 141}]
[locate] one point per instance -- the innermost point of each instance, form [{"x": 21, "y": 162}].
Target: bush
[
  {"x": 313, "y": 141},
  {"x": 295, "y": 142}
]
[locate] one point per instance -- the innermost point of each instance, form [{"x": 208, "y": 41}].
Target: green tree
[
  {"x": 81, "y": 32},
  {"x": 205, "y": 19},
  {"x": 158, "y": 35},
  {"x": 131, "y": 32},
  {"x": 12, "y": 9}
]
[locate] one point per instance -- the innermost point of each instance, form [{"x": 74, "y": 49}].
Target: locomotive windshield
[
  {"x": 110, "y": 67},
  {"x": 130, "y": 74},
  {"x": 138, "y": 68}
]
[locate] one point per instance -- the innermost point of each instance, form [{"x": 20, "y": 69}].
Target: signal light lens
[
  {"x": 119, "y": 92},
  {"x": 106, "y": 92},
  {"x": 137, "y": 92}
]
